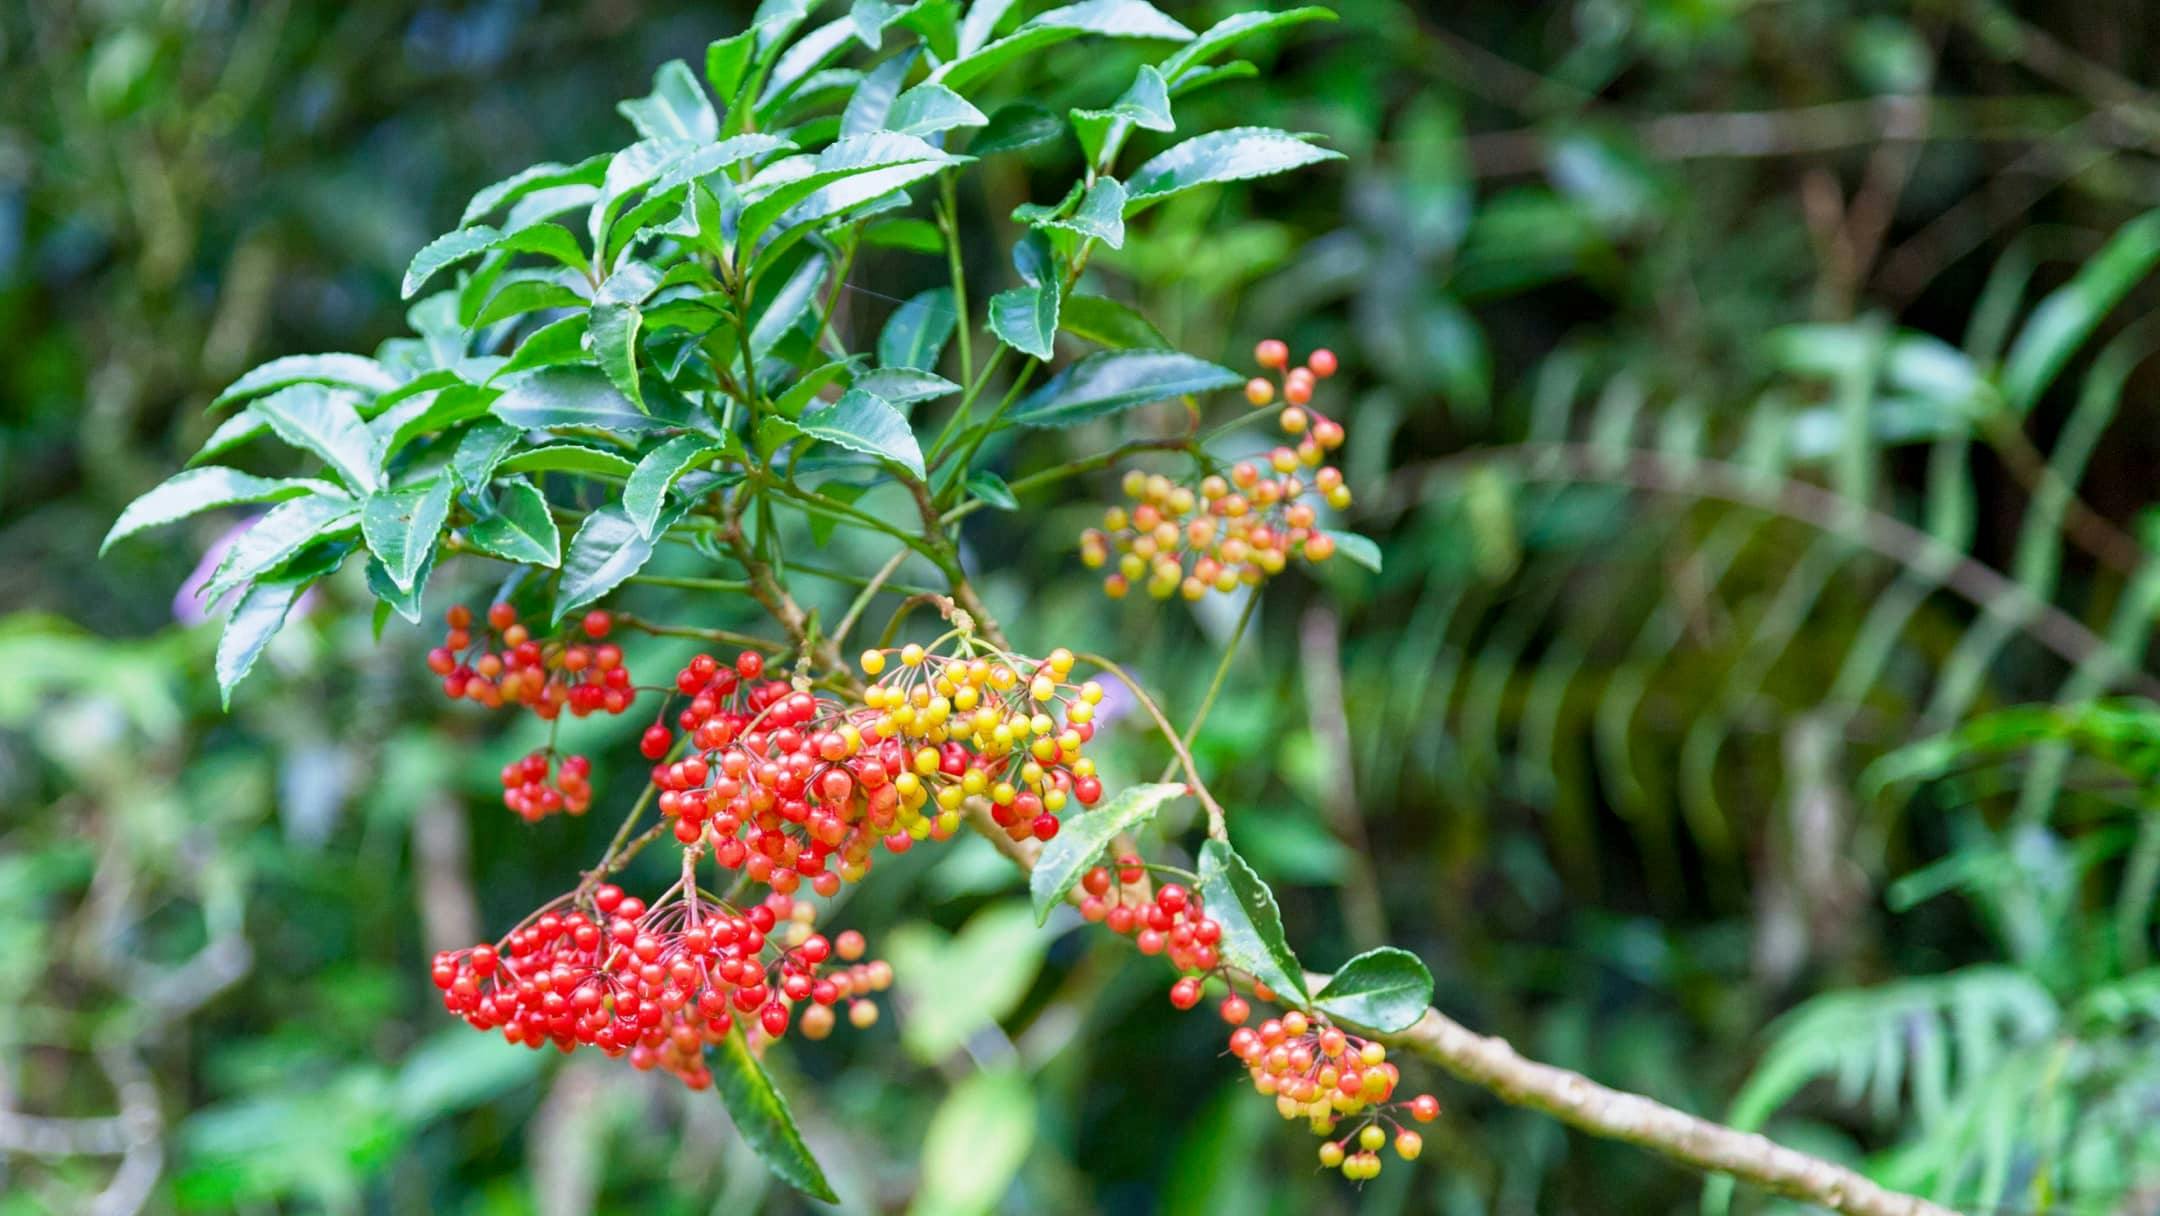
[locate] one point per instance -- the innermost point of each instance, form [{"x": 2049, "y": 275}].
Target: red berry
[
  {"x": 1185, "y": 993},
  {"x": 597, "y": 624},
  {"x": 1322, "y": 362},
  {"x": 750, "y": 664},
  {"x": 1271, "y": 353}
]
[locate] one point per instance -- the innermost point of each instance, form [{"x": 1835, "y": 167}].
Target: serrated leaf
[
  {"x": 1218, "y": 37},
  {"x": 1358, "y": 549},
  {"x": 726, "y": 59},
  {"x": 1082, "y": 838},
  {"x": 803, "y": 57},
  {"x": 539, "y": 177},
  {"x": 480, "y": 450},
  {"x": 347, "y": 371},
  {"x": 677, "y": 107},
  {"x": 279, "y": 536},
  {"x": 928, "y": 109},
  {"x": 402, "y": 526},
  {"x": 873, "y": 99},
  {"x": 1235, "y": 154},
  {"x": 1026, "y": 318},
  {"x": 862, "y": 422},
  {"x": 870, "y": 17},
  {"x": 1101, "y": 214},
  {"x": 389, "y": 598},
  {"x": 1021, "y": 124},
  {"x": 566, "y": 398},
  {"x": 244, "y": 425},
  {"x": 1109, "y": 18},
  {"x": 916, "y": 333},
  {"x": 522, "y": 529},
  {"x": 646, "y": 494},
  {"x": 1107, "y": 323},
  {"x": 848, "y": 194},
  {"x": 327, "y": 423},
  {"x": 992, "y": 489},
  {"x": 607, "y": 549},
  {"x": 521, "y": 296},
  {"x": 556, "y": 344},
  {"x": 451, "y": 248},
  {"x": 568, "y": 458},
  {"x": 762, "y": 1117},
  {"x": 1113, "y": 381},
  {"x": 440, "y": 410},
  {"x": 1252, "y": 933},
  {"x": 1145, "y": 103},
  {"x": 788, "y": 306},
  {"x": 902, "y": 386},
  {"x": 614, "y": 330},
  {"x": 1386, "y": 990},
  {"x": 194, "y": 491},
  {"x": 255, "y": 619}
]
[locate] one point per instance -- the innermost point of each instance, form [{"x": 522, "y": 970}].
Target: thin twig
[{"x": 1217, "y": 828}]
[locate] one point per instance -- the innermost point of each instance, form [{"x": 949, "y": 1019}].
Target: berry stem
[
  {"x": 726, "y": 637},
  {"x": 1217, "y": 830},
  {"x": 868, "y": 593},
  {"x": 1222, "y": 672}
]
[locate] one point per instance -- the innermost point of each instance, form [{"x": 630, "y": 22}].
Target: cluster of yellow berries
[
  {"x": 1182, "y": 540},
  {"x": 991, "y": 726},
  {"x": 1317, "y": 1073}
]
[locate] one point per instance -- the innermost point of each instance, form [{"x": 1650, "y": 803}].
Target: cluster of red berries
[
  {"x": 660, "y": 984},
  {"x": 508, "y": 666},
  {"x": 1171, "y": 923},
  {"x": 535, "y": 787},
  {"x": 1316, "y": 1072},
  {"x": 1239, "y": 530},
  {"x": 790, "y": 787}
]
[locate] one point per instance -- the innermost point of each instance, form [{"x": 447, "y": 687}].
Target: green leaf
[
  {"x": 521, "y": 296},
  {"x": 559, "y": 398},
  {"x": 861, "y": 422},
  {"x": 1105, "y": 322},
  {"x": 614, "y": 329},
  {"x": 2071, "y": 312},
  {"x": 804, "y": 57},
  {"x": 904, "y": 232},
  {"x": 1113, "y": 381},
  {"x": 547, "y": 176},
  {"x": 647, "y": 492},
  {"x": 789, "y": 305},
  {"x": 762, "y": 1117},
  {"x": 255, "y": 619},
  {"x": 480, "y": 450},
  {"x": 1218, "y": 37},
  {"x": 675, "y": 109},
  {"x": 402, "y": 526},
  {"x": 389, "y": 598},
  {"x": 1100, "y": 216},
  {"x": 1022, "y": 124},
  {"x": 1145, "y": 103},
  {"x": 1079, "y": 844},
  {"x": 976, "y": 1143},
  {"x": 607, "y": 549},
  {"x": 849, "y": 193},
  {"x": 902, "y": 386},
  {"x": 980, "y": 24},
  {"x": 870, "y": 18},
  {"x": 244, "y": 425},
  {"x": 568, "y": 458},
  {"x": 451, "y": 248},
  {"x": 327, "y": 423},
  {"x": 347, "y": 371},
  {"x": 992, "y": 489},
  {"x": 1109, "y": 18},
  {"x": 1252, "y": 933},
  {"x": 1385, "y": 990},
  {"x": 873, "y": 99},
  {"x": 726, "y": 59},
  {"x": 928, "y": 109},
  {"x": 1359, "y": 549},
  {"x": 278, "y": 537},
  {"x": 1235, "y": 154},
  {"x": 1200, "y": 78},
  {"x": 559, "y": 342},
  {"x": 954, "y": 987},
  {"x": 194, "y": 491},
  {"x": 437, "y": 410},
  {"x": 1026, "y": 318},
  {"x": 521, "y": 530},
  {"x": 916, "y": 333}
]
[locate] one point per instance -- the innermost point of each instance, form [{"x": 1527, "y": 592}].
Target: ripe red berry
[
  {"x": 597, "y": 624},
  {"x": 1273, "y": 353},
  {"x": 1424, "y": 1108},
  {"x": 1186, "y": 992},
  {"x": 1322, "y": 362},
  {"x": 501, "y": 616},
  {"x": 1234, "y": 1010},
  {"x": 750, "y": 664}
]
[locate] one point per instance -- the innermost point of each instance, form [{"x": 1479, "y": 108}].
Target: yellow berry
[{"x": 873, "y": 662}]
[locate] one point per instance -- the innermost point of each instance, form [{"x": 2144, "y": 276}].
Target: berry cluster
[
  {"x": 1171, "y": 923},
  {"x": 1316, "y": 1072},
  {"x": 507, "y": 665},
  {"x": 660, "y": 984},
  {"x": 982, "y": 725},
  {"x": 1238, "y": 530},
  {"x": 790, "y": 787},
  {"x": 535, "y": 788}
]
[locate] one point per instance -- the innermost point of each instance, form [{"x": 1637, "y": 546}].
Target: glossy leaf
[
  {"x": 992, "y": 489},
  {"x": 861, "y": 422},
  {"x": 762, "y": 1117},
  {"x": 980, "y": 24},
  {"x": 521, "y": 529},
  {"x": 1081, "y": 839},
  {"x": 347, "y": 371},
  {"x": 558, "y": 343},
  {"x": 1113, "y": 381},
  {"x": 326, "y": 422},
  {"x": 1100, "y": 215},
  {"x": 1107, "y": 323},
  {"x": 1022, "y": 124},
  {"x": 280, "y": 536},
  {"x": 568, "y": 458},
  {"x": 677, "y": 107},
  {"x": 481, "y": 449},
  {"x": 916, "y": 333},
  {"x": 928, "y": 109},
  {"x": 646, "y": 493},
  {"x": 726, "y": 59},
  {"x": 1109, "y": 18},
  {"x": 255, "y": 619},
  {"x": 1218, "y": 37},
  {"x": 1386, "y": 990},
  {"x": 1026, "y": 318},
  {"x": 872, "y": 101},
  {"x": 788, "y": 306},
  {"x": 565, "y": 398},
  {"x": 614, "y": 329},
  {"x": 401, "y": 527},
  {"x": 389, "y": 597},
  {"x": 901, "y": 386},
  {"x": 607, "y": 549},
  {"x": 1230, "y": 155},
  {"x": 1357, "y": 549},
  {"x": 1252, "y": 933},
  {"x": 193, "y": 491},
  {"x": 545, "y": 176}
]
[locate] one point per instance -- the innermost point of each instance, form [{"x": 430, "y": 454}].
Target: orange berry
[{"x": 1273, "y": 352}]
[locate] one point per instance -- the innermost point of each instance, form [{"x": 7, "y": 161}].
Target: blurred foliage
[{"x": 1609, "y": 279}]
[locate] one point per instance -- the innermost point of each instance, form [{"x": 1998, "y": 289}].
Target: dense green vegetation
[{"x": 1749, "y": 708}]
